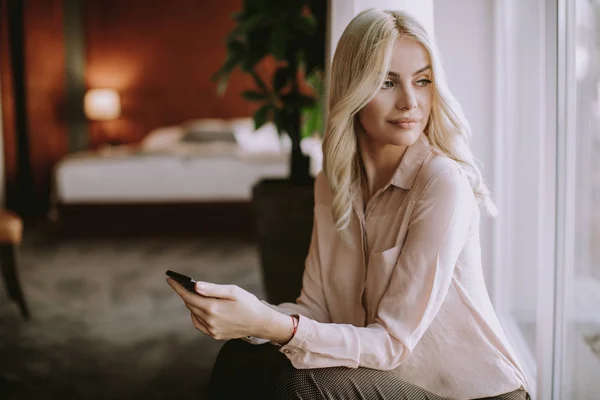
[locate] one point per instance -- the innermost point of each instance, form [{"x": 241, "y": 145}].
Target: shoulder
[
  {"x": 441, "y": 176},
  {"x": 435, "y": 165}
]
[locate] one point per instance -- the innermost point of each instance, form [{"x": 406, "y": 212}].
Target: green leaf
[
  {"x": 281, "y": 78},
  {"x": 307, "y": 24},
  {"x": 235, "y": 47},
  {"x": 277, "y": 43},
  {"x": 259, "y": 82},
  {"x": 297, "y": 100},
  {"x": 277, "y": 120},
  {"x": 235, "y": 33},
  {"x": 261, "y": 116},
  {"x": 287, "y": 119},
  {"x": 225, "y": 70},
  {"x": 316, "y": 79},
  {"x": 248, "y": 64},
  {"x": 253, "y": 95},
  {"x": 312, "y": 120},
  {"x": 293, "y": 33},
  {"x": 222, "y": 75},
  {"x": 257, "y": 45},
  {"x": 222, "y": 85},
  {"x": 306, "y": 101},
  {"x": 236, "y": 15},
  {"x": 250, "y": 23},
  {"x": 253, "y": 4}
]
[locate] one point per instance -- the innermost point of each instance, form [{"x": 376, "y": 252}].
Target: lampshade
[{"x": 102, "y": 104}]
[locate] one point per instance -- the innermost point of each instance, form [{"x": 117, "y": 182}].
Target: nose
[{"x": 406, "y": 99}]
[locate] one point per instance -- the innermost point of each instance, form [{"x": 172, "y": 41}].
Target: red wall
[
  {"x": 45, "y": 88},
  {"x": 43, "y": 50},
  {"x": 160, "y": 56},
  {"x": 8, "y": 112}
]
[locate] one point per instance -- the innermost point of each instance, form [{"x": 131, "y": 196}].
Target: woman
[{"x": 394, "y": 303}]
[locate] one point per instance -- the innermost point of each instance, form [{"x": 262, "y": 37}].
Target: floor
[{"x": 105, "y": 323}]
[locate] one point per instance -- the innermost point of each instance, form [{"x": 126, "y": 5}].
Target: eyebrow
[{"x": 397, "y": 75}]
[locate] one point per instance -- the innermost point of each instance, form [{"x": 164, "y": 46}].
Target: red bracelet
[{"x": 295, "y": 322}]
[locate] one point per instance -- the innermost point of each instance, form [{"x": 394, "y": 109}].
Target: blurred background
[{"x": 140, "y": 136}]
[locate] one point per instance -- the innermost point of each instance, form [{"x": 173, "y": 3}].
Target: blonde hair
[{"x": 360, "y": 66}]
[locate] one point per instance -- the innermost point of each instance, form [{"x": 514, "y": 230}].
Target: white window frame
[
  {"x": 569, "y": 367},
  {"x": 541, "y": 78},
  {"x": 550, "y": 124},
  {"x": 564, "y": 190}
]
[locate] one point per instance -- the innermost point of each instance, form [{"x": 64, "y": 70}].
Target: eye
[
  {"x": 387, "y": 84},
  {"x": 423, "y": 82}
]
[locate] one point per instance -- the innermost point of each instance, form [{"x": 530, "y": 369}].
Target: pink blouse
[{"x": 407, "y": 294}]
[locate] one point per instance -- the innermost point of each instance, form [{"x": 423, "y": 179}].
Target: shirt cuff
[
  {"x": 255, "y": 340},
  {"x": 295, "y": 344}
]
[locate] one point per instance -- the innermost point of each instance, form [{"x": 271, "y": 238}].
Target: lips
[
  {"x": 405, "y": 123},
  {"x": 404, "y": 120}
]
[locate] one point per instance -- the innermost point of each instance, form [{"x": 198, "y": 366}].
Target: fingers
[
  {"x": 205, "y": 310},
  {"x": 181, "y": 291},
  {"x": 198, "y": 312},
  {"x": 221, "y": 291},
  {"x": 199, "y": 324},
  {"x": 185, "y": 294},
  {"x": 203, "y": 307},
  {"x": 206, "y": 289}
]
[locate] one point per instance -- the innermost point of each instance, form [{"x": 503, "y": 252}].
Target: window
[
  {"x": 521, "y": 187},
  {"x": 546, "y": 280},
  {"x": 578, "y": 341}
]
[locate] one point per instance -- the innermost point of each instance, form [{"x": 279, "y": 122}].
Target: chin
[{"x": 406, "y": 137}]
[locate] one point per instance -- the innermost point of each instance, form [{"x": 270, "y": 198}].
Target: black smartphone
[{"x": 184, "y": 280}]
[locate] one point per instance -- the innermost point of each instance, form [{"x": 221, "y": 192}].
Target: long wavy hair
[{"x": 360, "y": 66}]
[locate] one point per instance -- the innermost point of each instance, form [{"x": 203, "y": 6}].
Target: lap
[
  {"x": 339, "y": 383},
  {"x": 246, "y": 371},
  {"x": 262, "y": 371}
]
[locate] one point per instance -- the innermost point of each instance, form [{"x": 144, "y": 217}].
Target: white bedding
[
  {"x": 157, "y": 178},
  {"x": 165, "y": 168},
  {"x": 92, "y": 178}
]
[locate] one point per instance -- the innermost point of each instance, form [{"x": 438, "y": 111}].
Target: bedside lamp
[{"x": 102, "y": 105}]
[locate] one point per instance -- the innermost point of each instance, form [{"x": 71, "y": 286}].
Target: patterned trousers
[{"x": 246, "y": 371}]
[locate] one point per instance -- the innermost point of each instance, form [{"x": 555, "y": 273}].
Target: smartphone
[{"x": 184, "y": 280}]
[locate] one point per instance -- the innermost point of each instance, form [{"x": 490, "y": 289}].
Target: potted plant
[{"x": 292, "y": 33}]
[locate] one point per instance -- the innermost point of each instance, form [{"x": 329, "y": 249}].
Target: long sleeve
[
  {"x": 311, "y": 302},
  {"x": 438, "y": 229}
]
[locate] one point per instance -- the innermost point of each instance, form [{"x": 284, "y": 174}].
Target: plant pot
[{"x": 284, "y": 220}]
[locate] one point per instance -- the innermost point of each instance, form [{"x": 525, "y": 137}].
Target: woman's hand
[{"x": 225, "y": 311}]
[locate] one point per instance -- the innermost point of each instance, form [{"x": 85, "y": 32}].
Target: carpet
[{"x": 105, "y": 324}]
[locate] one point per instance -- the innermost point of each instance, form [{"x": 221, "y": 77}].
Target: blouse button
[{"x": 288, "y": 351}]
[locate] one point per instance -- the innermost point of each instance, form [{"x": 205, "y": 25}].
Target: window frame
[{"x": 544, "y": 16}]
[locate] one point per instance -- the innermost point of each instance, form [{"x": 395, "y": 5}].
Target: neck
[{"x": 379, "y": 165}]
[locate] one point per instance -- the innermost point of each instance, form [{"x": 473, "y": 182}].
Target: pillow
[
  {"x": 211, "y": 124},
  {"x": 208, "y": 136},
  {"x": 263, "y": 140},
  {"x": 208, "y": 130},
  {"x": 162, "y": 138}
]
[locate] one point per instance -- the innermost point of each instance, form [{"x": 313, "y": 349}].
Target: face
[{"x": 400, "y": 110}]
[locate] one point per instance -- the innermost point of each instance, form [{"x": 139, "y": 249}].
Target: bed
[
  {"x": 130, "y": 175},
  {"x": 220, "y": 162},
  {"x": 206, "y": 161}
]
